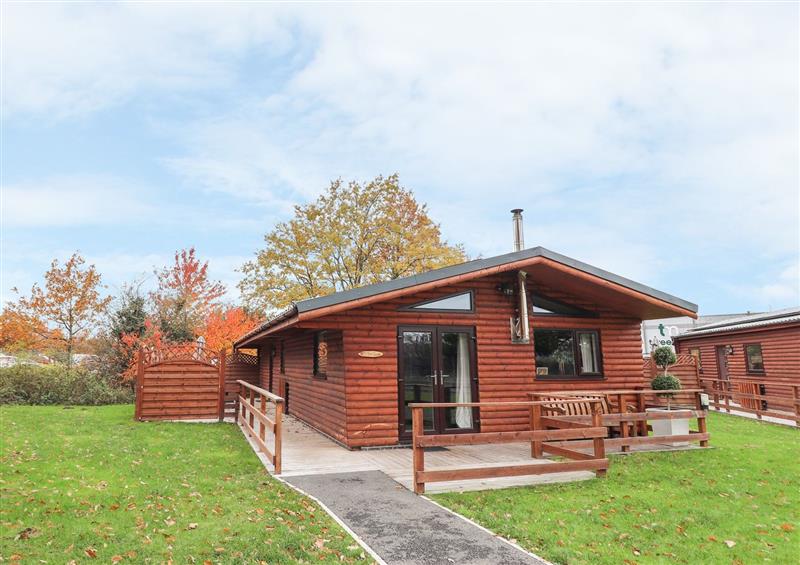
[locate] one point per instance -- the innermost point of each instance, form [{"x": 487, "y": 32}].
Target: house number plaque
[{"x": 371, "y": 354}]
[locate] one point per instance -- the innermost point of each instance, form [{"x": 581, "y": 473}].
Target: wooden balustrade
[
  {"x": 723, "y": 395},
  {"x": 252, "y": 403},
  {"x": 625, "y": 413},
  {"x": 593, "y": 432}
]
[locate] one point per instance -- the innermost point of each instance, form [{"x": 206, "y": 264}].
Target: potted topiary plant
[{"x": 664, "y": 357}]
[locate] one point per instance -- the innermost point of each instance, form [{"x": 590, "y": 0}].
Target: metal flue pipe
[{"x": 519, "y": 237}]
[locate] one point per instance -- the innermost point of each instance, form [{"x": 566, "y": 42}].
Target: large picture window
[
  {"x": 755, "y": 360},
  {"x": 567, "y": 353}
]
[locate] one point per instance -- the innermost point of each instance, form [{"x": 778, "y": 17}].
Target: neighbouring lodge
[
  {"x": 492, "y": 329},
  {"x": 759, "y": 353}
]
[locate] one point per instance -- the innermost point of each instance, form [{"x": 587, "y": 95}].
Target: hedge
[{"x": 57, "y": 384}]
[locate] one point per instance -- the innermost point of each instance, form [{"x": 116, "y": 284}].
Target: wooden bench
[{"x": 567, "y": 411}]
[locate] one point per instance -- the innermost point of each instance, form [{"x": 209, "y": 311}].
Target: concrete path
[{"x": 403, "y": 528}]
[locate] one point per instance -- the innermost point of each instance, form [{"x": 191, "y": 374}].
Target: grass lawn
[
  {"x": 90, "y": 485},
  {"x": 737, "y": 503}
]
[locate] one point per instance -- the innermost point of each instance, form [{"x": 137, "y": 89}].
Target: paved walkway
[{"x": 403, "y": 528}]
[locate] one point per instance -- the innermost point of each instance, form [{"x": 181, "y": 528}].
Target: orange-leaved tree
[
  {"x": 224, "y": 325},
  {"x": 69, "y": 303},
  {"x": 130, "y": 344},
  {"x": 20, "y": 332},
  {"x": 185, "y": 296}
]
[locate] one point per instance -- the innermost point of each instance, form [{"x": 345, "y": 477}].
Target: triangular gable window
[
  {"x": 544, "y": 306},
  {"x": 461, "y": 302}
]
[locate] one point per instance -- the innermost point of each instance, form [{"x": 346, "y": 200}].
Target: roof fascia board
[{"x": 735, "y": 331}]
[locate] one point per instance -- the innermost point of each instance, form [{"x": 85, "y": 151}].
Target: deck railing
[
  {"x": 252, "y": 403},
  {"x": 593, "y": 431},
  {"x": 626, "y": 413},
  {"x": 739, "y": 395}
]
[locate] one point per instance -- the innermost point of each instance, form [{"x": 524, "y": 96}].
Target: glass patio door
[{"x": 437, "y": 364}]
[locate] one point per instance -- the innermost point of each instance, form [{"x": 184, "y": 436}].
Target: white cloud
[
  {"x": 520, "y": 102},
  {"x": 775, "y": 289},
  {"x": 75, "y": 200},
  {"x": 646, "y": 138},
  {"x": 69, "y": 59}
]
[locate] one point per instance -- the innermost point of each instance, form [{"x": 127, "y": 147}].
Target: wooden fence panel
[
  {"x": 190, "y": 382},
  {"x": 178, "y": 389}
]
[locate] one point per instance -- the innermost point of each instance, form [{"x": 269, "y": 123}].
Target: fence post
[
  {"x": 641, "y": 407},
  {"x": 252, "y": 400},
  {"x": 139, "y": 385},
  {"x": 536, "y": 425},
  {"x": 417, "y": 451},
  {"x": 599, "y": 442},
  {"x": 278, "y": 436},
  {"x": 715, "y": 388},
  {"x": 728, "y": 392},
  {"x": 262, "y": 427},
  {"x": 701, "y": 420},
  {"x": 221, "y": 399}
]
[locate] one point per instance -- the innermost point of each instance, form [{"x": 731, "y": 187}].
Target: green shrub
[
  {"x": 56, "y": 384},
  {"x": 666, "y": 381},
  {"x": 663, "y": 357}
]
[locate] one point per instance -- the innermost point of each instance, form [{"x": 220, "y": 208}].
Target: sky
[{"x": 658, "y": 141}]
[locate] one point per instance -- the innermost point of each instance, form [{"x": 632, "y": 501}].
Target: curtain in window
[
  {"x": 586, "y": 342},
  {"x": 463, "y": 383}
]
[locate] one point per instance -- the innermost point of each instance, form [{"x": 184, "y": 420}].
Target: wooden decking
[{"x": 307, "y": 452}]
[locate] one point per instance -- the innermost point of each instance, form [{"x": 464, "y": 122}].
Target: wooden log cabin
[
  {"x": 493, "y": 329},
  {"x": 756, "y": 354}
]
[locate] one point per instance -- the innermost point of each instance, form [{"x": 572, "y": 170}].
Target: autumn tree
[
  {"x": 69, "y": 303},
  {"x": 224, "y": 325},
  {"x": 353, "y": 234},
  {"x": 185, "y": 296},
  {"x": 20, "y": 332}
]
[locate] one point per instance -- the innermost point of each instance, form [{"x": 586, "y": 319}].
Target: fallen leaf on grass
[
  {"x": 26, "y": 534},
  {"x": 787, "y": 527},
  {"x": 192, "y": 526},
  {"x": 117, "y": 559},
  {"x": 730, "y": 543},
  {"x": 90, "y": 552}
]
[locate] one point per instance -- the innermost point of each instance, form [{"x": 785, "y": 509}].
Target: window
[
  {"x": 567, "y": 353},
  {"x": 283, "y": 357},
  {"x": 544, "y": 306},
  {"x": 320, "y": 355},
  {"x": 461, "y": 302},
  {"x": 695, "y": 352},
  {"x": 755, "y": 361}
]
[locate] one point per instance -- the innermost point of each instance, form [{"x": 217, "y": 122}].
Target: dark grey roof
[
  {"x": 477, "y": 265},
  {"x": 747, "y": 321},
  {"x": 462, "y": 269}
]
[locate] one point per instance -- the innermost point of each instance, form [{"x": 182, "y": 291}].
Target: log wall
[
  {"x": 780, "y": 347},
  {"x": 362, "y": 409},
  {"x": 318, "y": 401}
]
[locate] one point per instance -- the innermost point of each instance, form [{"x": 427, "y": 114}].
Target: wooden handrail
[
  {"x": 629, "y": 424},
  {"x": 496, "y": 403},
  {"x": 247, "y": 412},
  {"x": 536, "y": 436},
  {"x": 262, "y": 391},
  {"x": 727, "y": 397},
  {"x": 614, "y": 391}
]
